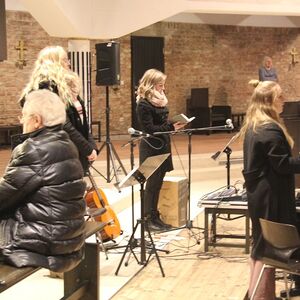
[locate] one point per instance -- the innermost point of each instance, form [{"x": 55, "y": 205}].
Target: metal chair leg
[{"x": 99, "y": 240}]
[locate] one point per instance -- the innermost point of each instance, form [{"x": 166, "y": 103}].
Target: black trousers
[{"x": 152, "y": 189}]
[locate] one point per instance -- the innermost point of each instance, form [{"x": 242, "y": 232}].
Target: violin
[{"x": 96, "y": 198}]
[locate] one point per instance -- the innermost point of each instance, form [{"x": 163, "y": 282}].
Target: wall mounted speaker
[{"x": 108, "y": 63}]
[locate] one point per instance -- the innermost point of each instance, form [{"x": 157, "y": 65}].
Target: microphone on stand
[
  {"x": 133, "y": 131},
  {"x": 229, "y": 124}
]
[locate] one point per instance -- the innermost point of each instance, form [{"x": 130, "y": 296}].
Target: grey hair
[
  {"x": 267, "y": 58},
  {"x": 47, "y": 105}
]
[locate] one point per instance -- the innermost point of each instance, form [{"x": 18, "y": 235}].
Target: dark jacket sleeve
[
  {"x": 260, "y": 74},
  {"x": 85, "y": 147},
  {"x": 20, "y": 178},
  {"x": 92, "y": 142},
  {"x": 279, "y": 152},
  {"x": 146, "y": 114}
]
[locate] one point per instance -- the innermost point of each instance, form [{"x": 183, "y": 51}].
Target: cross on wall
[{"x": 21, "y": 52}]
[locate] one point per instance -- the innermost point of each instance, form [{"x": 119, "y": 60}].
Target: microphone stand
[
  {"x": 228, "y": 152},
  {"x": 134, "y": 242},
  {"x": 189, "y": 131},
  {"x": 132, "y": 144}
]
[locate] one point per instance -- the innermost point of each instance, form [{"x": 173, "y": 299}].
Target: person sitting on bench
[{"x": 41, "y": 193}]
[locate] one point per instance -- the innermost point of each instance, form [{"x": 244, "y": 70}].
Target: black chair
[
  {"x": 282, "y": 250},
  {"x": 205, "y": 116}
]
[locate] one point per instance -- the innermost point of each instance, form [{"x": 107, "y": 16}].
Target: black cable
[{"x": 153, "y": 147}]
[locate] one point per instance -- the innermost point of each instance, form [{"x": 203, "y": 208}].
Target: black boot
[
  {"x": 157, "y": 220},
  {"x": 153, "y": 226}
]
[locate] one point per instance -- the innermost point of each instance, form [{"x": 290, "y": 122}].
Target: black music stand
[{"x": 140, "y": 175}]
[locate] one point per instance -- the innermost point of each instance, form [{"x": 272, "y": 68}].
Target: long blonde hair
[
  {"x": 146, "y": 86},
  {"x": 261, "y": 110},
  {"x": 50, "y": 67}
]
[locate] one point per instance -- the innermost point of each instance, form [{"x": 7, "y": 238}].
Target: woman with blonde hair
[
  {"x": 152, "y": 113},
  {"x": 269, "y": 170},
  {"x": 52, "y": 72}
]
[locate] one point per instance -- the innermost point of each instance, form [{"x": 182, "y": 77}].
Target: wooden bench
[
  {"x": 211, "y": 236},
  {"x": 82, "y": 281},
  {"x": 8, "y": 131}
]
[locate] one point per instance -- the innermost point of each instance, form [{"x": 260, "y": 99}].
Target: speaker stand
[{"x": 111, "y": 153}]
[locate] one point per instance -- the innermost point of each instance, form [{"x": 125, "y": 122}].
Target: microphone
[
  {"x": 132, "y": 131},
  {"x": 229, "y": 124}
]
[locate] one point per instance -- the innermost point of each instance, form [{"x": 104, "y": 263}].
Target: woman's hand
[
  {"x": 178, "y": 125},
  {"x": 92, "y": 156}
]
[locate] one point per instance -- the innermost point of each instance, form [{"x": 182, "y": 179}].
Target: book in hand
[{"x": 182, "y": 118}]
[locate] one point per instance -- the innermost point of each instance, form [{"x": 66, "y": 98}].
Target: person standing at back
[
  {"x": 267, "y": 72},
  {"x": 52, "y": 72},
  {"x": 152, "y": 113},
  {"x": 269, "y": 170}
]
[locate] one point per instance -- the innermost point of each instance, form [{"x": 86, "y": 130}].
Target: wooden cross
[
  {"x": 21, "y": 51},
  {"x": 294, "y": 53}
]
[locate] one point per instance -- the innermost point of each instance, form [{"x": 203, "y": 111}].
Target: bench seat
[{"x": 82, "y": 281}]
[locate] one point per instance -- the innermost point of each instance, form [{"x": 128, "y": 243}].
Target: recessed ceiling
[{"x": 108, "y": 19}]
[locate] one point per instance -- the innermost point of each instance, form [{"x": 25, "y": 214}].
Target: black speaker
[
  {"x": 108, "y": 63},
  {"x": 3, "y": 48}
]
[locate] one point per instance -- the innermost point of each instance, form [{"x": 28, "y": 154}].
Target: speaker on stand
[
  {"x": 108, "y": 74},
  {"x": 108, "y": 64}
]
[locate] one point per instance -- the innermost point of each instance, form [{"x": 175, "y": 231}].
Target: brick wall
[{"x": 222, "y": 58}]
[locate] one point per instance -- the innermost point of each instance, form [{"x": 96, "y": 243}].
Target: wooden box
[{"x": 173, "y": 200}]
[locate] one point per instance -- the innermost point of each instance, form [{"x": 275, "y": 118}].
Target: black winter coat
[
  {"x": 77, "y": 130},
  {"x": 269, "y": 172},
  {"x": 154, "y": 119},
  {"x": 41, "y": 197},
  {"x": 79, "y": 133}
]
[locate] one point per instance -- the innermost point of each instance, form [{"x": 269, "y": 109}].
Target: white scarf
[{"x": 159, "y": 99}]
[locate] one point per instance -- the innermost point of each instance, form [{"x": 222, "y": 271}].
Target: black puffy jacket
[{"x": 41, "y": 198}]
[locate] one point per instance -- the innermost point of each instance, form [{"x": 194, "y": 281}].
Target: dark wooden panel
[
  {"x": 146, "y": 53},
  {"x": 3, "y": 46},
  {"x": 199, "y": 98}
]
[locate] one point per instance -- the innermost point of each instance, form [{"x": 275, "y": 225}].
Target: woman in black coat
[
  {"x": 269, "y": 170},
  {"x": 52, "y": 72},
  {"x": 41, "y": 193},
  {"x": 152, "y": 113}
]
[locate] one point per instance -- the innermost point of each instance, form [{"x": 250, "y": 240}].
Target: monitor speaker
[
  {"x": 108, "y": 63},
  {"x": 3, "y": 48}
]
